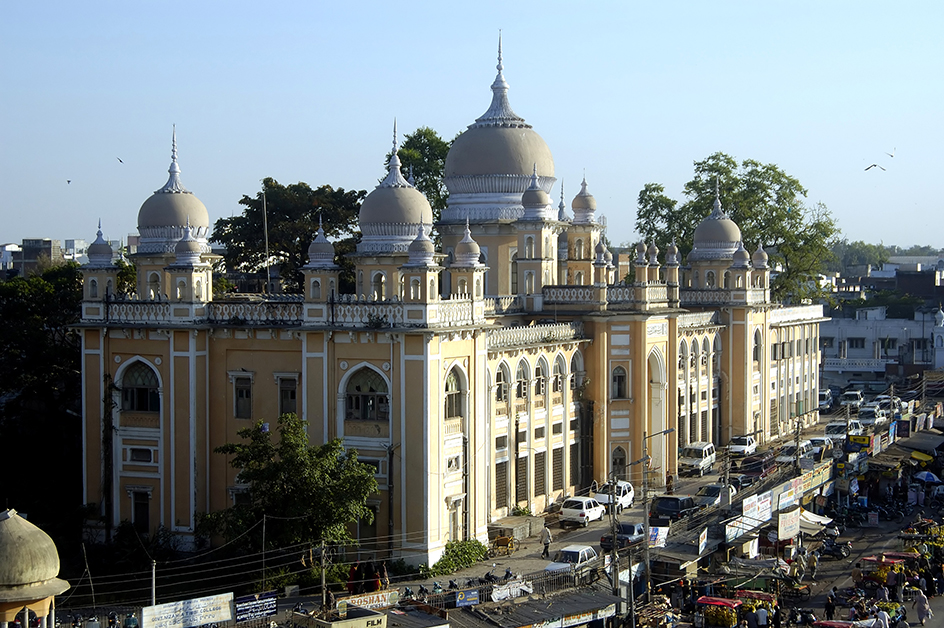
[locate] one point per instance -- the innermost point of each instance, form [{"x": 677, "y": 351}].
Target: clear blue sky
[{"x": 631, "y": 92}]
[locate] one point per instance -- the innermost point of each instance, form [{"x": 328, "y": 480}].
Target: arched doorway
[{"x": 657, "y": 417}]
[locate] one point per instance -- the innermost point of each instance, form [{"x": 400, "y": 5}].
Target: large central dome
[{"x": 490, "y": 165}]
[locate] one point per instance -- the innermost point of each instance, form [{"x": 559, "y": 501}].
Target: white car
[
  {"x": 821, "y": 442},
  {"x": 572, "y": 557},
  {"x": 581, "y": 511},
  {"x": 624, "y": 492},
  {"x": 742, "y": 446},
  {"x": 710, "y": 495}
]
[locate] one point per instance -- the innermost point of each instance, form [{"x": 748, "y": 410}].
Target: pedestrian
[
  {"x": 857, "y": 575},
  {"x": 884, "y": 618},
  {"x": 352, "y": 578},
  {"x": 546, "y": 538},
  {"x": 923, "y": 607},
  {"x": 751, "y": 618},
  {"x": 881, "y": 594},
  {"x": 830, "y": 608},
  {"x": 814, "y": 562},
  {"x": 384, "y": 576},
  {"x": 761, "y": 617}
]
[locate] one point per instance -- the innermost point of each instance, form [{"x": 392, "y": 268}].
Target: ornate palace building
[{"x": 506, "y": 369}]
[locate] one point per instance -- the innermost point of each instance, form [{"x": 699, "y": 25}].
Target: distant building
[{"x": 34, "y": 253}]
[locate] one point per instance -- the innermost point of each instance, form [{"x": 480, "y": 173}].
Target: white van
[
  {"x": 852, "y": 398},
  {"x": 697, "y": 459},
  {"x": 789, "y": 452},
  {"x": 836, "y": 430}
]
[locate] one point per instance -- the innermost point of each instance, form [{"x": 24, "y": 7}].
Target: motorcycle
[
  {"x": 835, "y": 549},
  {"x": 801, "y": 617}
]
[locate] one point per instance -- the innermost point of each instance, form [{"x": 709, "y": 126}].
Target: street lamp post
[{"x": 645, "y": 503}]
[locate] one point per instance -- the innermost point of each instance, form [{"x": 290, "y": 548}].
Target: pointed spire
[
  {"x": 394, "y": 178},
  {"x": 410, "y": 178},
  {"x": 173, "y": 185},
  {"x": 499, "y": 112},
  {"x": 716, "y": 210}
]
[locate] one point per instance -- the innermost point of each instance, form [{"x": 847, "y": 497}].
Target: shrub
[{"x": 458, "y": 555}]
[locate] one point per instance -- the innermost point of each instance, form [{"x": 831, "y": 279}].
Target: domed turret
[
  {"x": 741, "y": 258},
  {"x": 561, "y": 207},
  {"x": 188, "y": 249},
  {"x": 467, "y": 251},
  {"x": 641, "y": 254},
  {"x": 535, "y": 201},
  {"x": 391, "y": 213},
  {"x": 421, "y": 249},
  {"x": 671, "y": 254},
  {"x": 320, "y": 251},
  {"x": 717, "y": 236},
  {"x": 584, "y": 205},
  {"x": 653, "y": 252},
  {"x": 29, "y": 561},
  {"x": 760, "y": 258},
  {"x": 163, "y": 216},
  {"x": 489, "y": 165},
  {"x": 939, "y": 317},
  {"x": 99, "y": 252}
]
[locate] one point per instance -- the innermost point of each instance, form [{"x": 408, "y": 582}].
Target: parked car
[
  {"x": 668, "y": 508},
  {"x": 825, "y": 400},
  {"x": 836, "y": 430},
  {"x": 580, "y": 511},
  {"x": 624, "y": 492},
  {"x": 890, "y": 404},
  {"x": 626, "y": 534},
  {"x": 853, "y": 399},
  {"x": 755, "y": 468},
  {"x": 821, "y": 442},
  {"x": 572, "y": 557},
  {"x": 697, "y": 459},
  {"x": 789, "y": 453},
  {"x": 742, "y": 445},
  {"x": 710, "y": 495},
  {"x": 872, "y": 415}
]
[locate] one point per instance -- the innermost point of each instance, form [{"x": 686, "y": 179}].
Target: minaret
[
  {"x": 321, "y": 272},
  {"x": 191, "y": 278},
  {"x": 421, "y": 273},
  {"x": 100, "y": 274}
]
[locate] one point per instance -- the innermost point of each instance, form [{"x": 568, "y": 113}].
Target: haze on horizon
[{"x": 629, "y": 93}]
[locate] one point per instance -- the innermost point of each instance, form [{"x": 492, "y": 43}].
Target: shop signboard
[
  {"x": 750, "y": 516},
  {"x": 657, "y": 536},
  {"x": 892, "y": 431},
  {"x": 215, "y": 609},
  {"x": 468, "y": 597},
  {"x": 702, "y": 541},
  {"x": 378, "y": 599},
  {"x": 788, "y": 523},
  {"x": 787, "y": 498},
  {"x": 764, "y": 505},
  {"x": 904, "y": 428},
  {"x": 256, "y": 606}
]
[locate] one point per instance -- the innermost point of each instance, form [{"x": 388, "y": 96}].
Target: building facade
[{"x": 501, "y": 372}]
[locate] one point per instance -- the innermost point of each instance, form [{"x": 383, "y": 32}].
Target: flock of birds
[{"x": 891, "y": 154}]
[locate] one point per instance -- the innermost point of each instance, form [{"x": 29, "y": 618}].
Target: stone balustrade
[
  {"x": 796, "y": 314},
  {"x": 533, "y": 335}
]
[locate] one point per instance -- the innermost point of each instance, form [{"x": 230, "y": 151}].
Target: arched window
[
  {"x": 695, "y": 280},
  {"x": 682, "y": 357},
  {"x": 757, "y": 347},
  {"x": 529, "y": 247},
  {"x": 367, "y": 396},
  {"x": 154, "y": 286},
  {"x": 501, "y": 383},
  {"x": 738, "y": 282},
  {"x": 315, "y": 289},
  {"x": 432, "y": 288},
  {"x": 181, "y": 289},
  {"x": 710, "y": 279},
  {"x": 540, "y": 379},
  {"x": 139, "y": 389},
  {"x": 521, "y": 381},
  {"x": 198, "y": 290},
  {"x": 478, "y": 288},
  {"x": 93, "y": 289},
  {"x": 576, "y": 370},
  {"x": 619, "y": 383},
  {"x": 108, "y": 288},
  {"x": 727, "y": 279},
  {"x": 360, "y": 282},
  {"x": 578, "y": 279},
  {"x": 378, "y": 286},
  {"x": 514, "y": 273},
  {"x": 619, "y": 463},
  {"x": 546, "y": 253},
  {"x": 462, "y": 286},
  {"x": 716, "y": 357},
  {"x": 558, "y": 384},
  {"x": 414, "y": 288},
  {"x": 529, "y": 282},
  {"x": 453, "y": 400}
]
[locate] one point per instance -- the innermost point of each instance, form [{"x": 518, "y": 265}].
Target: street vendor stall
[
  {"x": 756, "y": 599},
  {"x": 716, "y": 611},
  {"x": 876, "y": 569}
]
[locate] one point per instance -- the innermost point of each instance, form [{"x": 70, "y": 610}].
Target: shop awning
[
  {"x": 811, "y": 523},
  {"x": 718, "y": 601},
  {"x": 922, "y": 457},
  {"x": 926, "y": 441}
]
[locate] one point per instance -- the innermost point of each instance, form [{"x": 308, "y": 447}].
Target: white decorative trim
[
  {"x": 240, "y": 373},
  {"x": 279, "y": 375}
]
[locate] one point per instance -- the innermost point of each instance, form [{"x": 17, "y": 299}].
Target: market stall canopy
[
  {"x": 927, "y": 476},
  {"x": 926, "y": 441},
  {"x": 811, "y": 523},
  {"x": 718, "y": 601}
]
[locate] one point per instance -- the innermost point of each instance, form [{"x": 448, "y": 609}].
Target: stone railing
[
  {"x": 266, "y": 313},
  {"x": 455, "y": 311},
  {"x": 533, "y": 335},
  {"x": 371, "y": 314},
  {"x": 620, "y": 293},
  {"x": 658, "y": 293},
  {"x": 855, "y": 364},
  {"x": 706, "y": 296},
  {"x": 455, "y": 425},
  {"x": 567, "y": 294},
  {"x": 796, "y": 314},
  {"x": 138, "y": 312},
  {"x": 698, "y": 319},
  {"x": 496, "y": 306}
]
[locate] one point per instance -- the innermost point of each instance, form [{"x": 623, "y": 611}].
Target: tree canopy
[
  {"x": 292, "y": 212},
  {"x": 424, "y": 151},
  {"x": 847, "y": 254},
  {"x": 765, "y": 202},
  {"x": 313, "y": 493}
]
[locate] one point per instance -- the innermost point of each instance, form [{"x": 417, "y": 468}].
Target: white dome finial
[
  {"x": 499, "y": 112},
  {"x": 394, "y": 178},
  {"x": 173, "y": 185}
]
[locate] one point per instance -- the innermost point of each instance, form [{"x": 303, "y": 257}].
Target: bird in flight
[
  {"x": 892, "y": 154},
  {"x": 874, "y": 166},
  {"x": 68, "y": 180},
  {"x": 119, "y": 159}
]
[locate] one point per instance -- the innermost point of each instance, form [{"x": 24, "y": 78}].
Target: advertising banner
[
  {"x": 469, "y": 597},
  {"x": 764, "y": 505},
  {"x": 256, "y": 606},
  {"x": 702, "y": 541},
  {"x": 788, "y": 523},
  {"x": 751, "y": 518},
  {"x": 214, "y": 609},
  {"x": 787, "y": 499},
  {"x": 378, "y": 599},
  {"x": 657, "y": 536}
]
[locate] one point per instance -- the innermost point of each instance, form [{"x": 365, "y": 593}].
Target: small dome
[
  {"x": 27, "y": 555},
  {"x": 584, "y": 205},
  {"x": 760, "y": 257},
  {"x": 671, "y": 254},
  {"x": 320, "y": 251},
  {"x": 422, "y": 243},
  {"x": 187, "y": 244},
  {"x": 608, "y": 256},
  {"x": 467, "y": 251},
  {"x": 716, "y": 237},
  {"x": 653, "y": 252},
  {"x": 534, "y": 196},
  {"x": 939, "y": 317},
  {"x": 641, "y": 253},
  {"x": 741, "y": 258},
  {"x": 99, "y": 252}
]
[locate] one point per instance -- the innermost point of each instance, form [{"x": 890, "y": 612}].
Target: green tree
[
  {"x": 292, "y": 212},
  {"x": 127, "y": 278},
  {"x": 423, "y": 153},
  {"x": 313, "y": 493},
  {"x": 765, "y": 202},
  {"x": 858, "y": 253},
  {"x": 40, "y": 393}
]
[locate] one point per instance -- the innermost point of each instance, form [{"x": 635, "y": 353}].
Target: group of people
[
  {"x": 926, "y": 580},
  {"x": 367, "y": 577},
  {"x": 762, "y": 618}
]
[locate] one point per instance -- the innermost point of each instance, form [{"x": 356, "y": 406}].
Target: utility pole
[
  {"x": 614, "y": 554},
  {"x": 153, "y": 583},
  {"x": 645, "y": 505},
  {"x": 324, "y": 592},
  {"x": 796, "y": 454}
]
